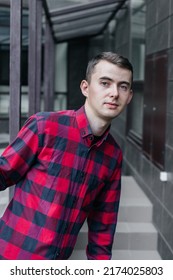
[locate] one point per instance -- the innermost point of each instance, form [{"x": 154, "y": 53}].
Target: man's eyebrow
[
  {"x": 124, "y": 82},
  {"x": 106, "y": 78},
  {"x": 111, "y": 80}
]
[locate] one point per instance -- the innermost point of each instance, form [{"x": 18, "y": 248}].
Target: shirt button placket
[
  {"x": 74, "y": 201},
  {"x": 82, "y": 175},
  {"x": 57, "y": 254}
]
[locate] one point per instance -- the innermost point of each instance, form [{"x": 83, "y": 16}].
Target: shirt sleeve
[
  {"x": 19, "y": 155},
  {"x": 103, "y": 218}
]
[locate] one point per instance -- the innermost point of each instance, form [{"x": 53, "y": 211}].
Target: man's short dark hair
[{"x": 111, "y": 57}]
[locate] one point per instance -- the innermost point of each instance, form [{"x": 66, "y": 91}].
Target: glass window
[
  {"x": 135, "y": 111},
  {"x": 138, "y": 12}
]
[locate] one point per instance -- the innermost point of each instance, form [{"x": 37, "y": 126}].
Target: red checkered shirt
[{"x": 63, "y": 176}]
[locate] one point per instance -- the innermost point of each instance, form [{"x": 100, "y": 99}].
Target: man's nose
[{"x": 114, "y": 91}]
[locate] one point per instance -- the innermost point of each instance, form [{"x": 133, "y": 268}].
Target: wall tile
[
  {"x": 163, "y": 249},
  {"x": 162, "y": 36},
  {"x": 170, "y": 64},
  {"x": 157, "y": 213},
  {"x": 170, "y": 98},
  {"x": 170, "y": 31},
  {"x": 156, "y": 185},
  {"x": 171, "y": 7},
  {"x": 169, "y": 130},
  {"x": 168, "y": 195},
  {"x": 146, "y": 171},
  {"x": 151, "y": 15},
  {"x": 169, "y": 159},
  {"x": 156, "y": 37},
  {"x": 163, "y": 9},
  {"x": 167, "y": 228},
  {"x": 151, "y": 40}
]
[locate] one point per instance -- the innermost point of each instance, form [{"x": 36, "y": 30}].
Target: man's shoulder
[
  {"x": 52, "y": 121},
  {"x": 55, "y": 115}
]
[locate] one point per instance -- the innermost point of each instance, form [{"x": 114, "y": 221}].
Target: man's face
[{"x": 109, "y": 90}]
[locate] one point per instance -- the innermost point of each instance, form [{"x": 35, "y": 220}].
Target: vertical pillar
[
  {"x": 49, "y": 69},
  {"x": 52, "y": 72},
  {"x": 15, "y": 70},
  {"x": 15, "y": 67},
  {"x": 34, "y": 55}
]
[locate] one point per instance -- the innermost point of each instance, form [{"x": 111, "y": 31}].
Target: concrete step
[
  {"x": 122, "y": 255},
  {"x": 135, "y": 236},
  {"x": 129, "y": 236},
  {"x": 134, "y": 204},
  {"x": 4, "y": 200}
]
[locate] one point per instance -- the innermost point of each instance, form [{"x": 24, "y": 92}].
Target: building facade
[{"x": 141, "y": 31}]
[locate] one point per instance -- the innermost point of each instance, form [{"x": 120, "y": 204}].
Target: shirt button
[
  {"x": 91, "y": 138},
  {"x": 74, "y": 201},
  {"x": 65, "y": 229},
  {"x": 57, "y": 254}
]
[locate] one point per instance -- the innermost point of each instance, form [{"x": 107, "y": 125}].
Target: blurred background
[{"x": 44, "y": 49}]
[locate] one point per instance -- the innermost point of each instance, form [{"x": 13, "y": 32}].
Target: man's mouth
[{"x": 111, "y": 105}]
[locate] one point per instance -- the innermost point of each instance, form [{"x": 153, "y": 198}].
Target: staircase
[{"x": 136, "y": 237}]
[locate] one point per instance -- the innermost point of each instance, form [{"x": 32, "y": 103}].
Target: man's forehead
[
  {"x": 110, "y": 70},
  {"x": 106, "y": 65}
]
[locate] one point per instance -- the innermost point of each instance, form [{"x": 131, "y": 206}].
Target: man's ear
[
  {"x": 130, "y": 96},
  {"x": 84, "y": 87}
]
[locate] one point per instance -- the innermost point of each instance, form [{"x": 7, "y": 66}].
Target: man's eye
[
  {"x": 124, "y": 87},
  {"x": 105, "y": 84}
]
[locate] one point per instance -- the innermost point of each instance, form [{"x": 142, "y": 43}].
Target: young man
[{"x": 67, "y": 168}]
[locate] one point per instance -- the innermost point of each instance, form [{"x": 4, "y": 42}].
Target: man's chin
[{"x": 112, "y": 113}]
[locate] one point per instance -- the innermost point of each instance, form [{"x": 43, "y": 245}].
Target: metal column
[
  {"x": 15, "y": 67},
  {"x": 34, "y": 55},
  {"x": 15, "y": 70},
  {"x": 49, "y": 68}
]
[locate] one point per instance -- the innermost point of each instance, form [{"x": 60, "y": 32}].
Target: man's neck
[{"x": 98, "y": 125}]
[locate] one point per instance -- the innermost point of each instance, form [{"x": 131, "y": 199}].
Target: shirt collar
[{"x": 84, "y": 125}]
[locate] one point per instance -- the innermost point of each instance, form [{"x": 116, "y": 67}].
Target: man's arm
[
  {"x": 103, "y": 219},
  {"x": 19, "y": 156}
]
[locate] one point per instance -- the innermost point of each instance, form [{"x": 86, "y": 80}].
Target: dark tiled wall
[{"x": 159, "y": 37}]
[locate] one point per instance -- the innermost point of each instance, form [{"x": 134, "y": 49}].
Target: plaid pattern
[{"x": 62, "y": 177}]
